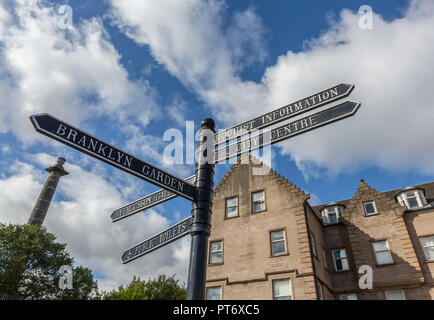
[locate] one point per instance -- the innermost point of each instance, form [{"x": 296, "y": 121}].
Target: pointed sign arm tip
[{"x": 46, "y": 124}]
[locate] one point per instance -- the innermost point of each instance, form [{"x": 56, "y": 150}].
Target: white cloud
[
  {"x": 75, "y": 74},
  {"x": 178, "y": 110},
  {"x": 391, "y": 66},
  {"x": 79, "y": 216},
  {"x": 19, "y": 192},
  {"x": 187, "y": 37},
  {"x": 5, "y": 149},
  {"x": 152, "y": 148}
]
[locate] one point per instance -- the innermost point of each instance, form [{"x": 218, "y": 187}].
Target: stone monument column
[{"x": 40, "y": 210}]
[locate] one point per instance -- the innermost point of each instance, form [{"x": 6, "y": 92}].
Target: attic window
[
  {"x": 412, "y": 198},
  {"x": 332, "y": 213},
  {"x": 369, "y": 208}
]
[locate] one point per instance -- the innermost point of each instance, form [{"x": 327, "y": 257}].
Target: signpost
[
  {"x": 84, "y": 142},
  {"x": 198, "y": 225},
  {"x": 289, "y": 130},
  {"x": 201, "y": 213},
  {"x": 167, "y": 236},
  {"x": 286, "y": 112},
  {"x": 144, "y": 203},
  {"x": 291, "y": 110}
]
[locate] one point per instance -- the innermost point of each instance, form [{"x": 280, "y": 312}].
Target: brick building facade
[{"x": 267, "y": 242}]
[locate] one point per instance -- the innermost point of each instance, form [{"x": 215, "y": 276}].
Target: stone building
[{"x": 267, "y": 242}]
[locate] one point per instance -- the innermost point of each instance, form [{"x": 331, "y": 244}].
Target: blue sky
[{"x": 128, "y": 71}]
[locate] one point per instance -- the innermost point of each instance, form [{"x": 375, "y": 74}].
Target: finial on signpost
[{"x": 208, "y": 123}]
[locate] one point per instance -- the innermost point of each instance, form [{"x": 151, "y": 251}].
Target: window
[
  {"x": 332, "y": 213},
  {"x": 278, "y": 245},
  {"x": 216, "y": 252},
  {"x": 351, "y": 296},
  {"x": 382, "y": 252},
  {"x": 325, "y": 258},
  {"x": 369, "y": 208},
  {"x": 395, "y": 295},
  {"x": 412, "y": 198},
  {"x": 313, "y": 242},
  {"x": 214, "y": 293},
  {"x": 258, "y": 201},
  {"x": 232, "y": 207},
  {"x": 282, "y": 289},
  {"x": 340, "y": 260},
  {"x": 320, "y": 291},
  {"x": 428, "y": 247}
]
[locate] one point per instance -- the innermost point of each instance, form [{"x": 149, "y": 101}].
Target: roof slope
[{"x": 427, "y": 187}]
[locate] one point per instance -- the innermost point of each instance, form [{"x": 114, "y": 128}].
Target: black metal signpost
[
  {"x": 201, "y": 214},
  {"x": 284, "y": 113},
  {"x": 198, "y": 225}
]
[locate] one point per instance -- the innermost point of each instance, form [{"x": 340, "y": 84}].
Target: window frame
[
  {"x": 291, "y": 292},
  {"x": 313, "y": 244},
  {"x": 348, "y": 295},
  {"x": 416, "y": 197},
  {"x": 215, "y": 287},
  {"x": 375, "y": 252},
  {"x": 423, "y": 247},
  {"x": 336, "y": 212},
  {"x": 283, "y": 230},
  {"x": 226, "y": 207},
  {"x": 375, "y": 208},
  {"x": 346, "y": 257},
  {"x": 320, "y": 290},
  {"x": 388, "y": 291},
  {"x": 253, "y": 202},
  {"x": 210, "y": 252},
  {"x": 324, "y": 256},
  {"x": 419, "y": 195}
]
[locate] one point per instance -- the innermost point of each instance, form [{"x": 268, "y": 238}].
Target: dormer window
[
  {"x": 412, "y": 198},
  {"x": 331, "y": 213}
]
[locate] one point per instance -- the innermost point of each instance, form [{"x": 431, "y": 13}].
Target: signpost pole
[{"x": 201, "y": 213}]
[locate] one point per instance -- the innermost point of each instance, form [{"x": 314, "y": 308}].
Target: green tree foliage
[
  {"x": 30, "y": 259},
  {"x": 162, "y": 288}
]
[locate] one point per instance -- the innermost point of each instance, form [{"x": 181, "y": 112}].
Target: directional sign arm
[
  {"x": 82, "y": 141},
  {"x": 167, "y": 236},
  {"x": 286, "y": 112},
  {"x": 287, "y": 131},
  {"x": 144, "y": 203}
]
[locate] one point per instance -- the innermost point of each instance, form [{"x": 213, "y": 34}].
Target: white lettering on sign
[
  {"x": 280, "y": 114},
  {"x": 94, "y": 146},
  {"x": 165, "y": 237},
  {"x": 162, "y": 177}
]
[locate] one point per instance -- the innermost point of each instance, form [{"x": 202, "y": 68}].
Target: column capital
[{"x": 58, "y": 168}]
